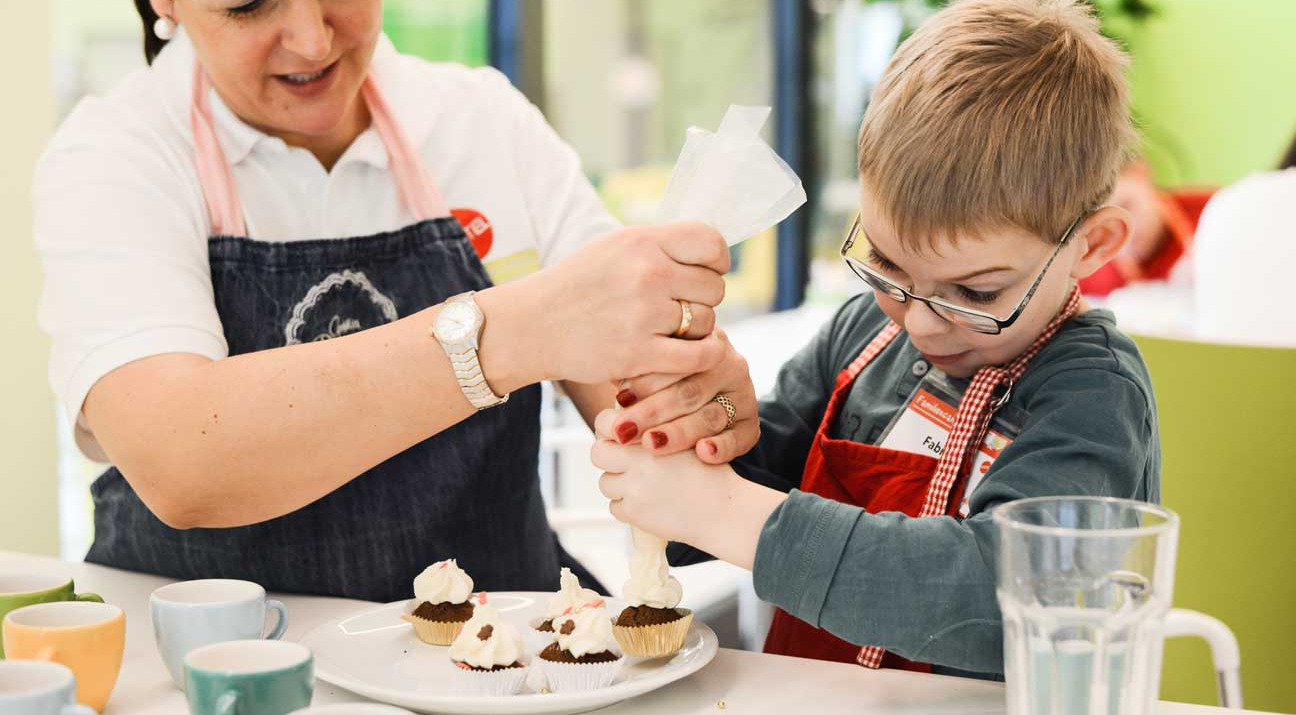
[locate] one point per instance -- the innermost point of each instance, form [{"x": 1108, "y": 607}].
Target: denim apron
[{"x": 470, "y": 492}]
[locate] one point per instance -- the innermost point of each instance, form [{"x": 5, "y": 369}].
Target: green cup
[
  {"x": 249, "y": 677},
  {"x": 26, "y": 589}
]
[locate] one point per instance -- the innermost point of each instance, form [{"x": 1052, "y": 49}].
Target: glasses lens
[
  {"x": 971, "y": 321},
  {"x": 877, "y": 282}
]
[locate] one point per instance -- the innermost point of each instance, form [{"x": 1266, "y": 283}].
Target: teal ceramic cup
[
  {"x": 25, "y": 589},
  {"x": 251, "y": 677},
  {"x": 192, "y": 614},
  {"x": 30, "y": 687}
]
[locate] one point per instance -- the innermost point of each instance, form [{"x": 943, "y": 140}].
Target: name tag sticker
[{"x": 923, "y": 427}]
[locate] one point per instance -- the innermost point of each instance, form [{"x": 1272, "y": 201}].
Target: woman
[{"x": 266, "y": 316}]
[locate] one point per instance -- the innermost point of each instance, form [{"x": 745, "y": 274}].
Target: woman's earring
[{"x": 164, "y": 28}]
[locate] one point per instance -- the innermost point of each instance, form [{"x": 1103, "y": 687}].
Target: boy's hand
[
  {"x": 679, "y": 498},
  {"x": 667, "y": 414},
  {"x": 674, "y": 497}
]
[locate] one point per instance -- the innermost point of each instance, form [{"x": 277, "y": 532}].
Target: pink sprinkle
[
  {"x": 444, "y": 564},
  {"x": 463, "y": 666},
  {"x": 595, "y": 604},
  {"x": 568, "y": 611},
  {"x": 481, "y": 598}
]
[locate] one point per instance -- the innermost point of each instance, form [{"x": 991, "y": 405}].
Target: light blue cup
[
  {"x": 29, "y": 687},
  {"x": 257, "y": 677},
  {"x": 192, "y": 614}
]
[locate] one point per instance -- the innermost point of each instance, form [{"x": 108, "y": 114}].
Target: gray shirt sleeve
[{"x": 925, "y": 588}]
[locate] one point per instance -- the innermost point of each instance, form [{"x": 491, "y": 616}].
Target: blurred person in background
[
  {"x": 1164, "y": 224},
  {"x": 1243, "y": 260}
]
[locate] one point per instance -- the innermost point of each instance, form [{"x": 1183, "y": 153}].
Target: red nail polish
[
  {"x": 625, "y": 398},
  {"x": 627, "y": 431},
  {"x": 658, "y": 439},
  {"x": 711, "y": 448}
]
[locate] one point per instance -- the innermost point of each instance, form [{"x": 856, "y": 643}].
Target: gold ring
[
  {"x": 686, "y": 319},
  {"x": 731, "y": 411}
]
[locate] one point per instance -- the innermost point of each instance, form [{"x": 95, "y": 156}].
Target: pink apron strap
[
  {"x": 213, "y": 170},
  {"x": 413, "y": 179}
]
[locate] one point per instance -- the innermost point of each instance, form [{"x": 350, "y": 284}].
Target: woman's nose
[{"x": 306, "y": 34}]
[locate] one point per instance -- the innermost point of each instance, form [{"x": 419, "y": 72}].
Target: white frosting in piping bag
[{"x": 650, "y": 581}]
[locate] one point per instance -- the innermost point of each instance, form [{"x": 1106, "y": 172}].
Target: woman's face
[{"x": 291, "y": 68}]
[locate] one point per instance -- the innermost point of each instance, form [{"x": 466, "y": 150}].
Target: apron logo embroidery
[
  {"x": 350, "y": 301},
  {"x": 478, "y": 228}
]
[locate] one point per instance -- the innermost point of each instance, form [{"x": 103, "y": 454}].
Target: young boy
[{"x": 970, "y": 376}]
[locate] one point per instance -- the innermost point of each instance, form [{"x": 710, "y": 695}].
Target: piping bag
[
  {"x": 731, "y": 179},
  {"x": 734, "y": 182}
]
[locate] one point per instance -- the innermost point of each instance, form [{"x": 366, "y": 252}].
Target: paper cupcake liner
[
  {"x": 568, "y": 677},
  {"x": 434, "y": 632},
  {"x": 656, "y": 641},
  {"x": 534, "y": 641},
  {"x": 490, "y": 682}
]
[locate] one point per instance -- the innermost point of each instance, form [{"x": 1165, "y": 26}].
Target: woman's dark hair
[
  {"x": 152, "y": 45},
  {"x": 1289, "y": 159}
]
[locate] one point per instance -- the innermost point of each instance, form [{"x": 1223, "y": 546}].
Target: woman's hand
[
  {"x": 673, "y": 413},
  {"x": 609, "y": 311}
]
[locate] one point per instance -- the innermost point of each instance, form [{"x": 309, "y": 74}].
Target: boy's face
[{"x": 988, "y": 272}]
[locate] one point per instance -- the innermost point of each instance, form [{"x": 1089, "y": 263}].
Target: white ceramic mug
[
  {"x": 192, "y": 614},
  {"x": 30, "y": 687}
]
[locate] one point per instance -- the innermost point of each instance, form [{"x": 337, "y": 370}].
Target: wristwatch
[{"x": 458, "y": 327}]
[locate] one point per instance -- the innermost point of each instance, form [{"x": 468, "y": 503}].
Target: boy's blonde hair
[{"x": 997, "y": 114}]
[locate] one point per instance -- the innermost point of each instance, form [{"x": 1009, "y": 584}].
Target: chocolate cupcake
[
  {"x": 570, "y": 596},
  {"x": 487, "y": 653},
  {"x": 583, "y": 655},
  {"x": 442, "y": 592},
  {"x": 652, "y": 625}
]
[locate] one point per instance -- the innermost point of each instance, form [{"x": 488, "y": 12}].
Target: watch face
[{"x": 456, "y": 322}]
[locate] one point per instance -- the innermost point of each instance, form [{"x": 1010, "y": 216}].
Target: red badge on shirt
[{"x": 478, "y": 228}]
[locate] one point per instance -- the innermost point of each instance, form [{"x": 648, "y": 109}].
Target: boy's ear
[{"x": 1101, "y": 237}]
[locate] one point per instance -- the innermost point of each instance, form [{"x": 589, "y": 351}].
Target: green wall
[
  {"x": 1226, "y": 451},
  {"x": 1215, "y": 83},
  {"x": 29, "y": 477}
]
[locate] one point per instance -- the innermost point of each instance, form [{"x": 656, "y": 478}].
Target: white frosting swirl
[
  {"x": 650, "y": 581},
  {"x": 502, "y": 645},
  {"x": 570, "y": 595},
  {"x": 443, "y": 582},
  {"x": 590, "y": 632}
]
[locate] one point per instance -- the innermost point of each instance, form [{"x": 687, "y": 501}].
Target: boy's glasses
[{"x": 977, "y": 321}]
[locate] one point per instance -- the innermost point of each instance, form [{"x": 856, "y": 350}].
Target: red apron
[{"x": 881, "y": 480}]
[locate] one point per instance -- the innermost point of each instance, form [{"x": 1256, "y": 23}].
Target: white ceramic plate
[{"x": 377, "y": 655}]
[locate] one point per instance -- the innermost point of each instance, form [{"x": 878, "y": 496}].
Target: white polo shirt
[
  {"x": 1243, "y": 254},
  {"x": 122, "y": 227}
]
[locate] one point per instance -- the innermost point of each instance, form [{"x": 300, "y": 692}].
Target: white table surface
[{"x": 746, "y": 683}]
